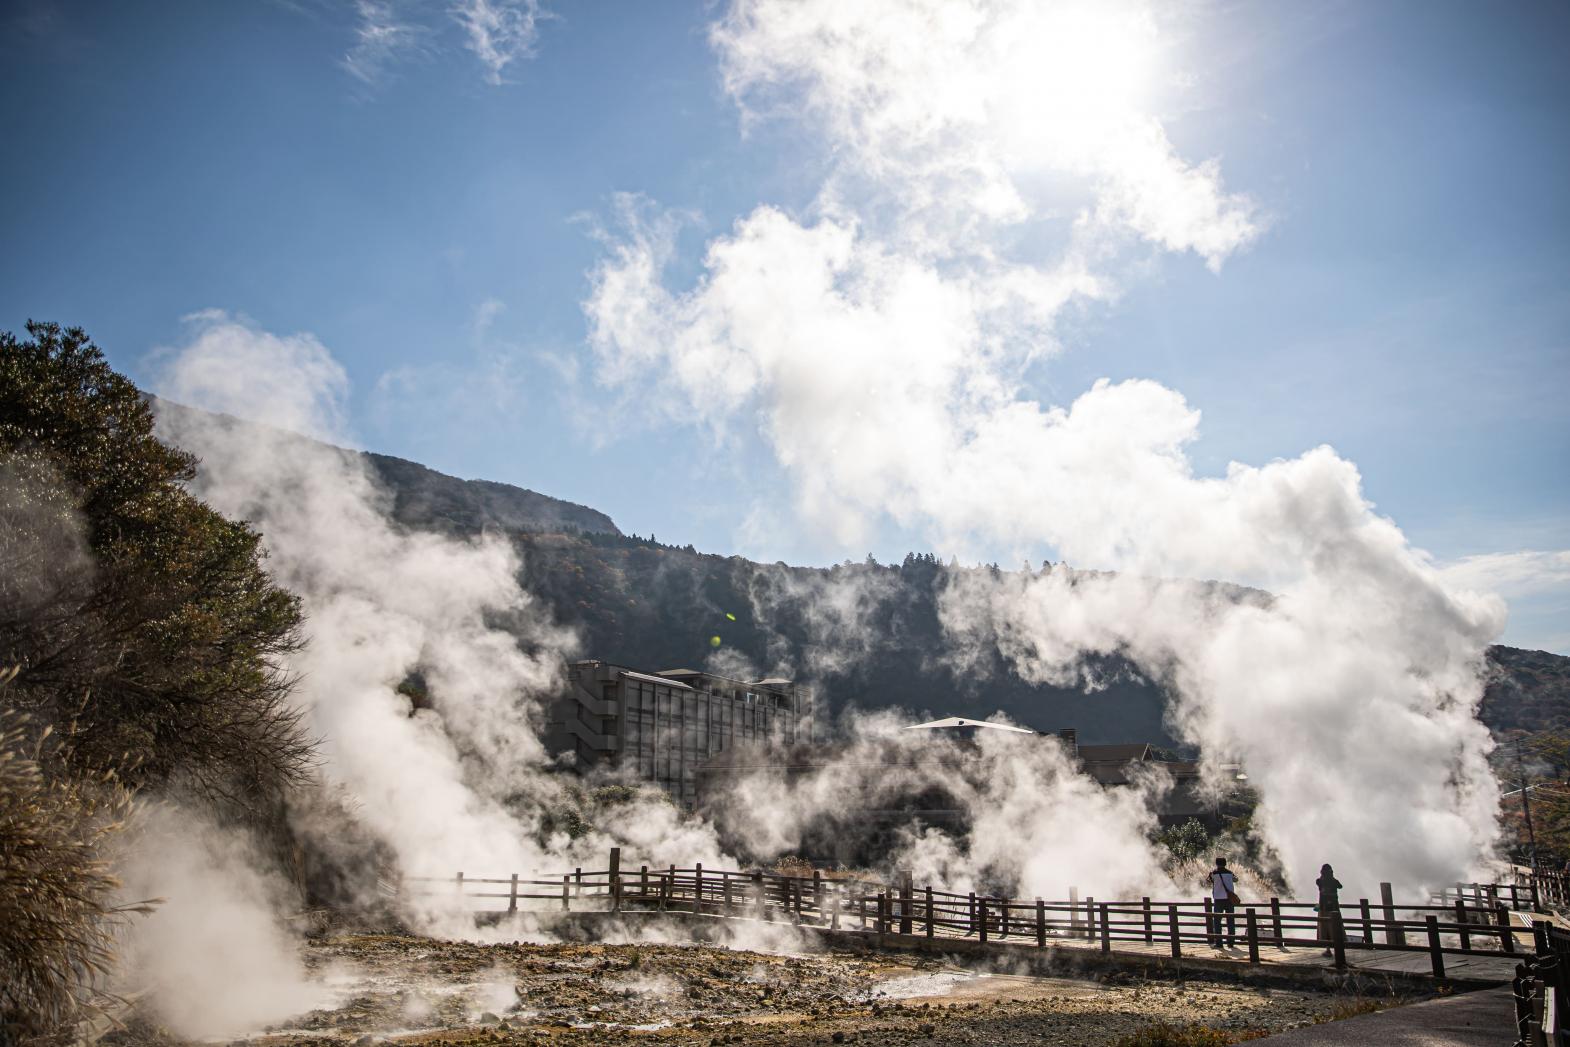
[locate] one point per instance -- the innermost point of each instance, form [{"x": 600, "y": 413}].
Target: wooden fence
[
  {"x": 1472, "y": 920},
  {"x": 1542, "y": 989}
]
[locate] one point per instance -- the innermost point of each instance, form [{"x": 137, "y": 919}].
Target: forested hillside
[{"x": 865, "y": 634}]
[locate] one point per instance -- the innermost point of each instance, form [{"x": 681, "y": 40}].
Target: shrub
[
  {"x": 133, "y": 610},
  {"x": 1187, "y": 841}
]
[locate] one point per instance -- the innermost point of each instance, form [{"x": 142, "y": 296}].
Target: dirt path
[{"x": 416, "y": 990}]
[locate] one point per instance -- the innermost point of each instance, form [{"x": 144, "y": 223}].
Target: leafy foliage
[
  {"x": 133, "y": 610},
  {"x": 1186, "y": 842}
]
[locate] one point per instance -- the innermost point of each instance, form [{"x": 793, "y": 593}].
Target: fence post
[
  {"x": 566, "y": 885},
  {"x": 643, "y": 887},
  {"x": 1073, "y": 912},
  {"x": 907, "y": 903},
  {"x": 929, "y": 912},
  {"x": 1368, "y": 924},
  {"x": 1275, "y": 923},
  {"x": 577, "y": 882},
  {"x": 512, "y": 895},
  {"x": 1041, "y": 924},
  {"x": 1506, "y": 936},
  {"x": 615, "y": 875},
  {"x": 725, "y": 883},
  {"x": 1212, "y": 923},
  {"x": 1435, "y": 955},
  {"x": 1174, "y": 932},
  {"x": 971, "y": 913},
  {"x": 762, "y": 899},
  {"x": 1394, "y": 934},
  {"x": 1338, "y": 936},
  {"x": 666, "y": 889},
  {"x": 817, "y": 894},
  {"x": 983, "y": 913},
  {"x": 795, "y": 883},
  {"x": 697, "y": 888},
  {"x": 1090, "y": 918},
  {"x": 459, "y": 882},
  {"x": 839, "y": 902},
  {"x": 1466, "y": 936},
  {"x": 1106, "y": 930},
  {"x": 1149, "y": 935},
  {"x": 1253, "y": 937}
]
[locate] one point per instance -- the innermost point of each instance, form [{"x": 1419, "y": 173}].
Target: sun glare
[{"x": 1071, "y": 74}]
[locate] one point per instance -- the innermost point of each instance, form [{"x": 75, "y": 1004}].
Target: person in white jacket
[{"x": 1223, "y": 902}]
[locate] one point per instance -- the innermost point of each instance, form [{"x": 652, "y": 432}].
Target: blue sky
[{"x": 435, "y": 219}]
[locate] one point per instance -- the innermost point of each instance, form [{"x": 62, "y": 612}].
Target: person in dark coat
[{"x": 1329, "y": 904}]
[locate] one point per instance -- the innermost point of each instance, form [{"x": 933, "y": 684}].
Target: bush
[
  {"x": 1187, "y": 841},
  {"x": 133, "y": 610}
]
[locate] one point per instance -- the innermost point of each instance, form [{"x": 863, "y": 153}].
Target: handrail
[{"x": 1476, "y": 921}]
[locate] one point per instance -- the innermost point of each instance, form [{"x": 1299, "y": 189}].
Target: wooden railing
[{"x": 1474, "y": 921}]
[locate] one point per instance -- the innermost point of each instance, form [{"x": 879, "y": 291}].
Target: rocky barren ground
[{"x": 404, "y": 989}]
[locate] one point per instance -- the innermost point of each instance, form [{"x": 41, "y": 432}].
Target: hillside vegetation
[{"x": 866, "y": 634}]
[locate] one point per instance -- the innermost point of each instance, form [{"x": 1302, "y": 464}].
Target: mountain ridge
[{"x": 638, "y": 602}]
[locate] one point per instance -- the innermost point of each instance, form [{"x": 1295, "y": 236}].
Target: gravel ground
[{"x": 414, "y": 990}]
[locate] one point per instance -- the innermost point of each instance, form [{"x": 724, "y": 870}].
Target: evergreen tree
[{"x": 132, "y": 611}]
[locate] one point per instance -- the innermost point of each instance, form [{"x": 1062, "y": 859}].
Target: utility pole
[{"x": 1526, "y": 809}]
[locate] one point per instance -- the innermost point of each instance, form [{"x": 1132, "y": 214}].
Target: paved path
[
  {"x": 1484, "y": 1018},
  {"x": 1479, "y": 967}
]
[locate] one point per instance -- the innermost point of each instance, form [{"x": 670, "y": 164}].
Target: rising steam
[{"x": 883, "y": 336}]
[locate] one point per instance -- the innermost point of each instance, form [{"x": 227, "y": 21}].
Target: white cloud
[
  {"x": 978, "y": 114},
  {"x": 1524, "y": 573},
  {"x": 387, "y": 32},
  {"x": 1536, "y": 585},
  {"x": 499, "y": 31},
  {"x": 381, "y": 39},
  {"x": 991, "y": 163}
]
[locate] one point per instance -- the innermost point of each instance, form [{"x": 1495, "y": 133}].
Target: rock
[{"x": 488, "y": 1018}]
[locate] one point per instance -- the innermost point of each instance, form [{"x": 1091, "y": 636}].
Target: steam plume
[{"x": 883, "y": 339}]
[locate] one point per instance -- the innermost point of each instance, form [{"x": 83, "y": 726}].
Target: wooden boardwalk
[{"x": 1476, "y": 938}]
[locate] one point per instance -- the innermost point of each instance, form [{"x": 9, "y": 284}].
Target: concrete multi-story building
[{"x": 662, "y": 725}]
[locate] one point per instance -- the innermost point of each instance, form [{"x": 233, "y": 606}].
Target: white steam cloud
[
  {"x": 216, "y": 957},
  {"x": 460, "y": 784},
  {"x": 381, "y": 602},
  {"x": 883, "y": 341}
]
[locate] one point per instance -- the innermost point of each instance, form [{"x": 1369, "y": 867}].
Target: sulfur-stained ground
[{"x": 405, "y": 989}]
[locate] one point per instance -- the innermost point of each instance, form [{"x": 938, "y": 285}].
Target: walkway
[{"x": 1484, "y": 1018}]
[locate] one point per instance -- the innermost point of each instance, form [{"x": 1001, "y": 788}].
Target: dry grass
[
  {"x": 1164, "y": 1034},
  {"x": 58, "y": 908},
  {"x": 1358, "y": 1005}
]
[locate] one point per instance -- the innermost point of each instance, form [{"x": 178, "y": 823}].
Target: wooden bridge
[{"x": 1468, "y": 932}]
